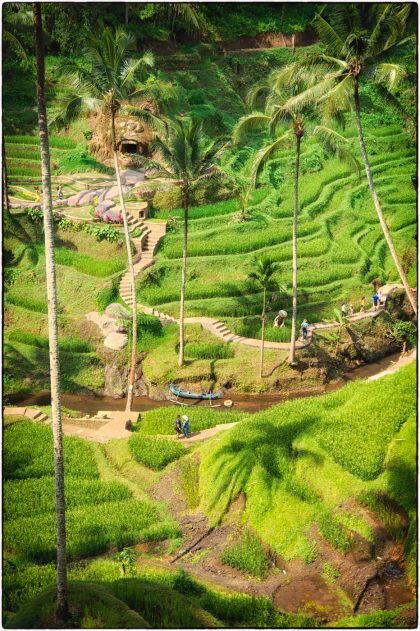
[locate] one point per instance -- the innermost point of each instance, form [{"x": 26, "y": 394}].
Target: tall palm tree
[
  {"x": 109, "y": 80},
  {"x": 358, "y": 40},
  {"x": 184, "y": 155},
  {"x": 62, "y": 606},
  {"x": 275, "y": 116},
  {"x": 263, "y": 275}
]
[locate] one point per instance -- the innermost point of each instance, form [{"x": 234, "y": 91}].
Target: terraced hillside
[{"x": 341, "y": 248}]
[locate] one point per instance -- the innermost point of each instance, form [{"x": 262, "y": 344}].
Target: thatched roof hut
[{"x": 133, "y": 137}]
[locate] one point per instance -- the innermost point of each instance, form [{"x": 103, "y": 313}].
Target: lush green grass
[
  {"x": 189, "y": 481},
  {"x": 312, "y": 455},
  {"x": 211, "y": 350},
  {"x": 102, "y": 511},
  {"x": 155, "y": 453},
  {"x": 162, "y": 420},
  {"x": 91, "y": 606},
  {"x": 247, "y": 554}
]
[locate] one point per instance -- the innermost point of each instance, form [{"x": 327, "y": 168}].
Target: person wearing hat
[{"x": 185, "y": 426}]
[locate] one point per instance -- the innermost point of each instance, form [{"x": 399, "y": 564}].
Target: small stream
[{"x": 89, "y": 404}]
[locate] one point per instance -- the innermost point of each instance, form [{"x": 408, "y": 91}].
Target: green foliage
[
  {"x": 333, "y": 532},
  {"x": 309, "y": 456},
  {"x": 108, "y": 295},
  {"x": 162, "y": 420},
  {"x": 405, "y": 332},
  {"x": 27, "y": 453},
  {"x": 330, "y": 573},
  {"x": 27, "y": 303},
  {"x": 92, "y": 606},
  {"x": 88, "y": 264},
  {"x": 209, "y": 350},
  {"x": 75, "y": 345},
  {"x": 247, "y": 555},
  {"x": 189, "y": 481},
  {"x": 155, "y": 453}
]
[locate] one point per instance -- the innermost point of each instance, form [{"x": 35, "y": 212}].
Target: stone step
[{"x": 34, "y": 414}]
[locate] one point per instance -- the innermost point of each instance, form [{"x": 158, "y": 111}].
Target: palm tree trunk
[
  {"x": 62, "y": 605},
  {"x": 183, "y": 279},
  {"x": 5, "y": 195},
  {"x": 132, "y": 374},
  {"x": 262, "y": 333},
  {"x": 294, "y": 254},
  {"x": 376, "y": 201}
]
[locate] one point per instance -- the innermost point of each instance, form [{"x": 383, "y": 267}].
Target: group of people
[
  {"x": 182, "y": 426},
  {"x": 377, "y": 300}
]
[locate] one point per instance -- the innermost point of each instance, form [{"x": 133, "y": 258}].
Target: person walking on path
[
  {"x": 343, "y": 309},
  {"x": 304, "y": 326},
  {"x": 362, "y": 304},
  {"x": 375, "y": 299},
  {"x": 381, "y": 298},
  {"x": 351, "y": 310},
  {"x": 185, "y": 426},
  {"x": 60, "y": 192},
  {"x": 178, "y": 427}
]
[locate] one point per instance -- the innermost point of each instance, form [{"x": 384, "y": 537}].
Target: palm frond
[
  {"x": 389, "y": 75},
  {"x": 15, "y": 45},
  {"x": 335, "y": 143},
  {"x": 264, "y": 154},
  {"x": 150, "y": 119},
  {"x": 338, "y": 98},
  {"x": 328, "y": 35},
  {"x": 256, "y": 92},
  {"x": 312, "y": 94},
  {"x": 251, "y": 123}
]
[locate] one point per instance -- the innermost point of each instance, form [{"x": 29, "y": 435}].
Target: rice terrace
[{"x": 209, "y": 315}]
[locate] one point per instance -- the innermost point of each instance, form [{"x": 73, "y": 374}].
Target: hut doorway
[{"x": 129, "y": 146}]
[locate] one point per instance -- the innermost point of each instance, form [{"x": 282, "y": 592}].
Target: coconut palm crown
[
  {"x": 283, "y": 123},
  {"x": 358, "y": 41},
  {"x": 183, "y": 154}
]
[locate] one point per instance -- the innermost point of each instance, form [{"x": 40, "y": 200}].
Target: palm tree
[
  {"x": 263, "y": 275},
  {"x": 241, "y": 180},
  {"x": 184, "y": 155},
  {"x": 275, "y": 114},
  {"x": 358, "y": 40},
  {"x": 110, "y": 81},
  {"x": 62, "y": 607}
]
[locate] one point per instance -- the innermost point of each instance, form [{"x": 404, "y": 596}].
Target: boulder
[
  {"x": 116, "y": 341},
  {"x": 117, "y": 311},
  {"x": 104, "y": 205},
  {"x": 112, "y": 192},
  {"x": 131, "y": 177},
  {"x": 115, "y": 381}
]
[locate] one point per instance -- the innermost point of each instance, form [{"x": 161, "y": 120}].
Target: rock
[
  {"x": 114, "y": 192},
  {"x": 117, "y": 311},
  {"x": 131, "y": 177},
  {"x": 95, "y": 317},
  {"x": 116, "y": 341},
  {"x": 85, "y": 197},
  {"x": 104, "y": 205},
  {"x": 115, "y": 381}
]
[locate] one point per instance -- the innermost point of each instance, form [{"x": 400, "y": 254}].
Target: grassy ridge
[{"x": 310, "y": 456}]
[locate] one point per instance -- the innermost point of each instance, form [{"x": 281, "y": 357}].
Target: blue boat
[{"x": 186, "y": 394}]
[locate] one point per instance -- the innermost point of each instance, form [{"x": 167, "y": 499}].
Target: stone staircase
[
  {"x": 145, "y": 244},
  {"x": 32, "y": 413}
]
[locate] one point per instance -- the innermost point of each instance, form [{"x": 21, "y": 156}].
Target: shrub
[
  {"x": 108, "y": 295},
  {"x": 209, "y": 350},
  {"x": 155, "y": 453},
  {"x": 247, "y": 555}
]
